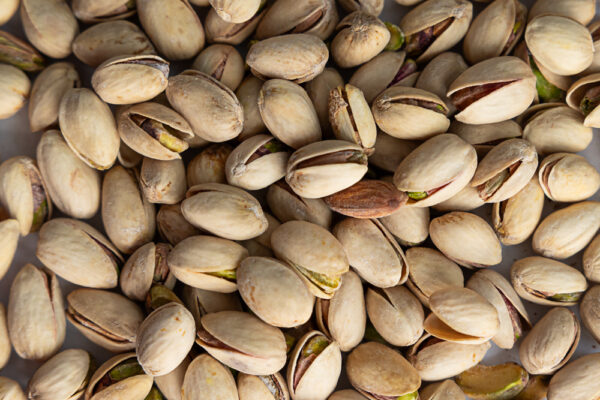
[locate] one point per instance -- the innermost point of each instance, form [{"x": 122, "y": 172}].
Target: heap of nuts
[{"x": 322, "y": 226}]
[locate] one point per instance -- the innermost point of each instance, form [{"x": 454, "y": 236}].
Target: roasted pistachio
[
  {"x": 588, "y": 310},
  {"x": 10, "y": 390},
  {"x": 581, "y": 11},
  {"x": 583, "y": 96},
  {"x": 577, "y": 380},
  {"x": 466, "y": 200},
  {"x": 367, "y": 199},
  {"x": 146, "y": 267},
  {"x": 248, "y": 93},
  {"x": 485, "y": 137},
  {"x": 172, "y": 225},
  {"x": 568, "y": 177}
]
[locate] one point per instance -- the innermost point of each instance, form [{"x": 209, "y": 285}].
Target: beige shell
[
  {"x": 560, "y": 44},
  {"x": 163, "y": 182},
  {"x": 209, "y": 165},
  {"x": 14, "y": 86},
  {"x": 128, "y": 157},
  {"x": 346, "y": 394},
  {"x": 172, "y": 226},
  {"x": 201, "y": 302},
  {"x": 576, "y": 93},
  {"x": 236, "y": 11},
  {"x": 78, "y": 253},
  {"x": 10, "y": 390},
  {"x": 90, "y": 11},
  {"x": 589, "y": 310},
  {"x": 206, "y": 377},
  {"x": 264, "y": 387},
  {"x": 288, "y": 206},
  {"x": 551, "y": 342},
  {"x": 591, "y": 260},
  {"x": 568, "y": 177},
  {"x": 446, "y": 390},
  {"x": 371, "y": 6},
  {"x": 361, "y": 36},
  {"x": 567, "y": 231},
  {"x": 409, "y": 225},
  {"x": 171, "y": 383},
  {"x": 64, "y": 376},
  {"x": 484, "y": 137},
  {"x": 466, "y": 200},
  {"x": 595, "y": 67},
  {"x": 220, "y": 31},
  {"x": 248, "y": 94},
  {"x": 578, "y": 379},
  {"x": 582, "y": 11},
  {"x": 5, "y": 347},
  {"x": 145, "y": 267},
  {"x": 223, "y": 62},
  {"x": 135, "y": 387},
  {"x": 350, "y": 116},
  {"x": 9, "y": 8},
  {"x": 318, "y": 90}
]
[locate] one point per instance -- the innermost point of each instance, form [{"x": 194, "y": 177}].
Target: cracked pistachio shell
[
  {"x": 377, "y": 371},
  {"x": 436, "y": 359},
  {"x": 484, "y": 137},
  {"x": 171, "y": 383},
  {"x": 560, "y": 44},
  {"x": 207, "y": 378},
  {"x": 8, "y": 8},
  {"x": 251, "y": 346},
  {"x": 5, "y": 347},
  {"x": 509, "y": 88},
  {"x": 35, "y": 316},
  {"x": 165, "y": 338},
  {"x": 466, "y": 200},
  {"x": 343, "y": 318},
  {"x": 318, "y": 379},
  {"x": 317, "y": 17},
  {"x": 591, "y": 260},
  {"x": 316, "y": 255},
  {"x": 107, "y": 319},
  {"x": 445, "y": 390},
  {"x": 145, "y": 267},
  {"x": 90, "y": 11},
  {"x": 431, "y": 13},
  {"x": 589, "y": 310},
  {"x": 350, "y": 116},
  {"x": 551, "y": 342},
  {"x": 568, "y": 177},
  {"x": 390, "y": 151},
  {"x": 109, "y": 39},
  {"x": 163, "y": 182},
  {"x": 372, "y": 251},
  {"x": 466, "y": 239},
  {"x": 288, "y": 113},
  {"x": 346, "y": 394},
  {"x": 582, "y": 11},
  {"x": 248, "y": 93},
  {"x": 49, "y": 25},
  {"x": 361, "y": 36},
  {"x": 10, "y": 390},
  {"x": 14, "y": 90},
  {"x": 288, "y": 206},
  {"x": 396, "y": 314},
  {"x": 236, "y": 11},
  {"x": 410, "y": 113},
  {"x": 297, "y": 57},
  {"x": 225, "y": 211},
  {"x": 47, "y": 92},
  {"x": 318, "y": 90},
  {"x": 511, "y": 311},
  {"x": 516, "y": 218},
  {"x": 439, "y": 73},
  {"x": 89, "y": 127},
  {"x": 257, "y": 162},
  {"x": 64, "y": 376},
  {"x": 179, "y": 41},
  {"x": 129, "y": 219},
  {"x": 373, "y": 7},
  {"x": 547, "y": 282},
  {"x": 223, "y": 62},
  {"x": 198, "y": 260},
  {"x": 576, "y": 94},
  {"x": 594, "y": 30},
  {"x": 430, "y": 271},
  {"x": 78, "y": 253},
  {"x": 211, "y": 108},
  {"x": 578, "y": 380},
  {"x": 201, "y": 302},
  {"x": 495, "y": 31},
  {"x": 264, "y": 387},
  {"x": 220, "y": 31},
  {"x": 23, "y": 193},
  {"x": 73, "y": 186},
  {"x": 461, "y": 315},
  {"x": 274, "y": 292},
  {"x": 209, "y": 165},
  {"x": 511, "y": 164},
  {"x": 323, "y": 168},
  {"x": 567, "y": 231},
  {"x": 171, "y": 224},
  {"x": 131, "y": 79},
  {"x": 443, "y": 165},
  {"x": 135, "y": 387}
]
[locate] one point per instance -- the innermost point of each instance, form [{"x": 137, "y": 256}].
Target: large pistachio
[
  {"x": 223, "y": 62},
  {"x": 89, "y": 128},
  {"x": 90, "y": 11},
  {"x": 493, "y": 90},
  {"x": 163, "y": 182},
  {"x": 64, "y": 376},
  {"x": 286, "y": 205},
  {"x": 5, "y": 347},
  {"x": 578, "y": 380},
  {"x": 248, "y": 93},
  {"x": 314, "y": 253},
  {"x": 372, "y": 251},
  {"x": 209, "y": 165},
  {"x": 350, "y": 116},
  {"x": 14, "y": 90},
  {"x": 551, "y": 342},
  {"x": 589, "y": 311},
  {"x": 436, "y": 170},
  {"x": 485, "y": 137},
  {"x": 505, "y": 170},
  {"x": 297, "y": 57},
  {"x": 378, "y": 372},
  {"x": 445, "y": 390},
  {"x": 221, "y": 31},
  {"x": 225, "y": 211},
  {"x": 429, "y": 272},
  {"x": 128, "y": 218},
  {"x": 10, "y": 390},
  {"x": 207, "y": 378},
  {"x": 368, "y": 198},
  {"x": 343, "y": 317},
  {"x": 314, "y": 368},
  {"x": 201, "y": 302},
  {"x": 568, "y": 177},
  {"x": 131, "y": 79},
  {"x": 47, "y": 92},
  {"x": 466, "y": 239},
  {"x": 548, "y": 282},
  {"x": 262, "y": 387},
  {"x": 146, "y": 267},
  {"x": 361, "y": 36},
  {"x": 172, "y": 225},
  {"x": 8, "y": 9},
  {"x": 243, "y": 342},
  {"x": 49, "y": 25},
  {"x": 435, "y": 26},
  {"x": 515, "y": 219},
  {"x": 583, "y": 96},
  {"x": 346, "y": 394},
  {"x": 119, "y": 378},
  {"x": 565, "y": 232},
  {"x": 466, "y": 200},
  {"x": 211, "y": 108},
  {"x": 591, "y": 260},
  {"x": 581, "y": 11},
  {"x": 106, "y": 40},
  {"x": 178, "y": 41},
  {"x": 560, "y": 44},
  {"x": 78, "y": 253},
  {"x": 493, "y": 382}
]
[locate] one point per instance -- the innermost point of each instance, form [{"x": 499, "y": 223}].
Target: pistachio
[
  {"x": 8, "y": 9},
  {"x": 466, "y": 200},
  {"x": 373, "y": 7},
  {"x": 367, "y": 199},
  {"x": 501, "y": 381},
  {"x": 248, "y": 93},
  {"x": 128, "y": 157},
  {"x": 445, "y": 390},
  {"x": 170, "y": 384},
  {"x": 146, "y": 267},
  {"x": 485, "y": 137},
  {"x": 408, "y": 225},
  {"x": 90, "y": 11},
  {"x": 583, "y": 96},
  {"x": 251, "y": 387},
  {"x": 201, "y": 302},
  {"x": 209, "y": 165},
  {"x": 591, "y": 260},
  {"x": 163, "y": 182},
  {"x": 14, "y": 90},
  {"x": 120, "y": 377},
  {"x": 594, "y": 29},
  {"x": 10, "y": 390},
  {"x": 18, "y": 53},
  {"x": 172, "y": 225},
  {"x": 350, "y": 116},
  {"x": 236, "y": 11},
  {"x": 568, "y": 177},
  {"x": 5, "y": 347},
  {"x": 223, "y": 62},
  {"x": 346, "y": 394},
  {"x": 536, "y": 388},
  {"x": 205, "y": 376},
  {"x": 588, "y": 310},
  {"x": 577, "y": 380},
  {"x": 288, "y": 206},
  {"x": 221, "y": 31},
  {"x": 581, "y": 11}
]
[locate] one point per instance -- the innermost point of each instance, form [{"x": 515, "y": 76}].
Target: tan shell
[
  {"x": 350, "y": 116},
  {"x": 484, "y": 137},
  {"x": 163, "y": 182},
  {"x": 90, "y": 11},
  {"x": 5, "y": 347},
  {"x": 14, "y": 86},
  {"x": 579, "y": 379},
  {"x": 568, "y": 177},
  {"x": 248, "y": 94},
  {"x": 576, "y": 93},
  {"x": 64, "y": 376},
  {"x": 371, "y": 6},
  {"x": 466, "y": 200},
  {"x": 361, "y": 36},
  {"x": 591, "y": 260},
  {"x": 9, "y": 8},
  {"x": 78, "y": 253},
  {"x": 582, "y": 11},
  {"x": 171, "y": 383},
  {"x": 346, "y": 394},
  {"x": 236, "y": 11},
  {"x": 446, "y": 390},
  {"x": 201, "y": 302},
  {"x": 288, "y": 206},
  {"x": 127, "y": 157},
  {"x": 206, "y": 377},
  {"x": 265, "y": 239},
  {"x": 135, "y": 387},
  {"x": 409, "y": 225},
  {"x": 269, "y": 387},
  {"x": 589, "y": 310},
  {"x": 223, "y": 62},
  {"x": 172, "y": 226},
  {"x": 138, "y": 273},
  {"x": 220, "y": 31},
  {"x": 10, "y": 390},
  {"x": 390, "y": 151},
  {"x": 595, "y": 67},
  {"x": 209, "y": 165}
]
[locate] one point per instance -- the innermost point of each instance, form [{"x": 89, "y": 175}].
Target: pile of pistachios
[{"x": 314, "y": 206}]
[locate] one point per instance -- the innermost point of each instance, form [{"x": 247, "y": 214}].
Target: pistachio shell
[
  {"x": 10, "y": 390},
  {"x": 346, "y": 394},
  {"x": 361, "y": 36},
  {"x": 220, "y": 31},
  {"x": 577, "y": 96},
  {"x": 163, "y": 182},
  {"x": 8, "y": 9},
  {"x": 145, "y": 267},
  {"x": 409, "y": 225},
  {"x": 581, "y": 11},
  {"x": 589, "y": 311},
  {"x": 371, "y": 6},
  {"x": 14, "y": 90},
  {"x": 595, "y": 67},
  {"x": 209, "y": 165},
  {"x": 445, "y": 390},
  {"x": 466, "y": 200},
  {"x": 128, "y": 157},
  {"x": 9, "y": 239},
  {"x": 206, "y": 376},
  {"x": 171, "y": 383},
  {"x": 568, "y": 177},
  {"x": 265, "y": 387},
  {"x": 288, "y": 206},
  {"x": 64, "y": 376},
  {"x": 172, "y": 226},
  {"x": 591, "y": 260},
  {"x": 5, "y": 347},
  {"x": 439, "y": 73},
  {"x": 501, "y": 381},
  {"x": 222, "y": 62},
  {"x": 201, "y": 302},
  {"x": 350, "y": 116},
  {"x": 134, "y": 387},
  {"x": 236, "y": 11},
  {"x": 248, "y": 93},
  {"x": 92, "y": 11},
  {"x": 484, "y": 137},
  {"x": 578, "y": 380}
]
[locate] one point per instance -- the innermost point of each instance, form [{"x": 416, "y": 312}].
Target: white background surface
[{"x": 16, "y": 139}]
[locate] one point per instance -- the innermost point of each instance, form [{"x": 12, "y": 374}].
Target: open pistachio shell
[
  {"x": 243, "y": 342},
  {"x": 318, "y": 90},
  {"x": 236, "y": 11},
  {"x": 485, "y": 137},
  {"x": 64, "y": 376},
  {"x": 493, "y": 382},
  {"x": 548, "y": 282},
  {"x": 350, "y": 116},
  {"x": 223, "y": 62},
  {"x": 578, "y": 379},
  {"x": 409, "y": 225},
  {"x": 568, "y": 177},
  {"x": 10, "y": 390},
  {"x": 206, "y": 377},
  {"x": 589, "y": 311},
  {"x": 286, "y": 205},
  {"x": 591, "y": 260},
  {"x": 466, "y": 200},
  {"x": 582, "y": 96},
  {"x": 581, "y": 11},
  {"x": 361, "y": 36},
  {"x": 145, "y": 267},
  {"x": 377, "y": 371},
  {"x": 262, "y": 387},
  {"x": 119, "y": 378},
  {"x": 5, "y": 347},
  {"x": 445, "y": 390},
  {"x": 317, "y": 17},
  {"x": 551, "y": 342}
]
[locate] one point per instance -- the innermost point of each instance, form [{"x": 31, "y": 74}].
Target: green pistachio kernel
[
  {"x": 567, "y": 297},
  {"x": 126, "y": 369},
  {"x": 396, "y": 37},
  {"x": 547, "y": 92},
  {"x": 417, "y": 195},
  {"x": 315, "y": 346}
]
